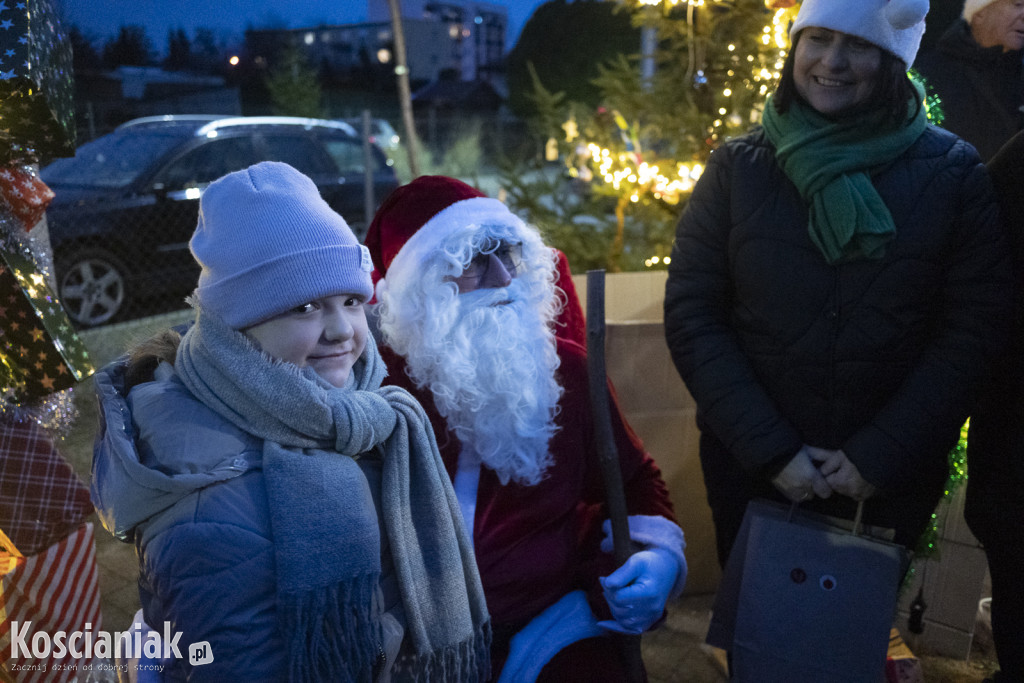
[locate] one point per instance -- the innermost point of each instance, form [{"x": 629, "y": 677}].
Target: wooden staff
[{"x": 607, "y": 452}]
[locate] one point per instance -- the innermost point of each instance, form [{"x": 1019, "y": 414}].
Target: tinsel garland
[
  {"x": 927, "y": 545},
  {"x": 932, "y": 101},
  {"x": 55, "y": 412}
]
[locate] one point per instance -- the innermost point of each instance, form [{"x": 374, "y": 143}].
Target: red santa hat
[
  {"x": 397, "y": 238},
  {"x": 416, "y": 218}
]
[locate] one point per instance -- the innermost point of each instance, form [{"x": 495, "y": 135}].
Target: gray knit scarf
[{"x": 326, "y": 533}]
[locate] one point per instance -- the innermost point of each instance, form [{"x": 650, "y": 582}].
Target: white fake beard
[{"x": 492, "y": 376}]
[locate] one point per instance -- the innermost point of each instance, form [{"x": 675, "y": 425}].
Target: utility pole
[{"x": 404, "y": 94}]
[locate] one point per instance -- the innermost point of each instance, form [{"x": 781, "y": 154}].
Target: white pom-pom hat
[{"x": 893, "y": 25}]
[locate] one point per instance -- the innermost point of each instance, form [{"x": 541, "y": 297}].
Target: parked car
[
  {"x": 126, "y": 204},
  {"x": 382, "y": 133}
]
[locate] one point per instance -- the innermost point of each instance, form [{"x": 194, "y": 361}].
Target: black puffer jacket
[
  {"x": 876, "y": 357},
  {"x": 981, "y": 89},
  {"x": 996, "y": 449}
]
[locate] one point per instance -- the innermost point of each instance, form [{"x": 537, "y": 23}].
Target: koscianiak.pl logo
[{"x": 134, "y": 643}]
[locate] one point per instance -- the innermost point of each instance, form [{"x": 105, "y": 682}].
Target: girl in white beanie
[
  {"x": 836, "y": 293},
  {"x": 288, "y": 511}
]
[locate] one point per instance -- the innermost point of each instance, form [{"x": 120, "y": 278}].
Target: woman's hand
[
  {"x": 637, "y": 591},
  {"x": 800, "y": 479},
  {"x": 843, "y": 476}
]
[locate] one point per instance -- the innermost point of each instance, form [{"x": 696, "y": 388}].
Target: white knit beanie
[
  {"x": 972, "y": 6},
  {"x": 893, "y": 25},
  {"x": 268, "y": 242}
]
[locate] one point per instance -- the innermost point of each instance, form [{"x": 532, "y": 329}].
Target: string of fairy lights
[{"x": 631, "y": 170}]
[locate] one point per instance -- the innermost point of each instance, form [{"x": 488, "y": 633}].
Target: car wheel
[{"x": 92, "y": 287}]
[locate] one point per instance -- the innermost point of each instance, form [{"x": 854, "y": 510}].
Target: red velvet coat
[{"x": 535, "y": 544}]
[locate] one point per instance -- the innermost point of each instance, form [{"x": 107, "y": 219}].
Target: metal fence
[
  {"x": 127, "y": 205},
  {"x": 121, "y": 250}
]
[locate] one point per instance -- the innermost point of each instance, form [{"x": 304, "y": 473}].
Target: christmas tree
[{"x": 699, "y": 77}]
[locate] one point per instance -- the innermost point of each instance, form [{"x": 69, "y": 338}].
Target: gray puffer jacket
[{"x": 187, "y": 487}]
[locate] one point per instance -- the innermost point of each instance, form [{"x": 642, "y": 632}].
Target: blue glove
[{"x": 637, "y": 591}]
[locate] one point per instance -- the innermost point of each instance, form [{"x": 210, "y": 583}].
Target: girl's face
[
  {"x": 835, "y": 72},
  {"x": 327, "y": 335}
]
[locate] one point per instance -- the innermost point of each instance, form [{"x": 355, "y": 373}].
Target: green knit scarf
[{"x": 830, "y": 162}]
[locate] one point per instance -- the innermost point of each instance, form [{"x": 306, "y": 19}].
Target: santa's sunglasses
[{"x": 509, "y": 254}]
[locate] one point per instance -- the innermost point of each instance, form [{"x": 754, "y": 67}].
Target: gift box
[
  {"x": 901, "y": 666},
  {"x": 41, "y": 498},
  {"x": 36, "y": 83},
  {"x": 36, "y": 336},
  {"x": 25, "y": 194},
  {"x": 51, "y": 592}
]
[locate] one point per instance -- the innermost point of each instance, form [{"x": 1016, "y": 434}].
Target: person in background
[
  {"x": 995, "y": 445},
  {"x": 467, "y": 309},
  {"x": 976, "y": 70},
  {"x": 287, "y": 509},
  {"x": 838, "y": 285}
]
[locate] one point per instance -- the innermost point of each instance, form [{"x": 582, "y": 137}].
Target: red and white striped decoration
[{"x": 57, "y": 590}]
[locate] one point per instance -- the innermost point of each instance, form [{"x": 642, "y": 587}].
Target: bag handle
[{"x": 856, "y": 518}]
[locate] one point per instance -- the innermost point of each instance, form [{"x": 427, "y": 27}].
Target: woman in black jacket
[{"x": 838, "y": 284}]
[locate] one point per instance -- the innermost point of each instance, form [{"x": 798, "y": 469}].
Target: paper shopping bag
[
  {"x": 815, "y": 602},
  {"x": 53, "y": 592}
]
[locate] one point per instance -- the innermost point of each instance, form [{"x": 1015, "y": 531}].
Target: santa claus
[{"x": 467, "y": 303}]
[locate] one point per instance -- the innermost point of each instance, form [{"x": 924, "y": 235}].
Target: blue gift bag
[{"x": 803, "y": 600}]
